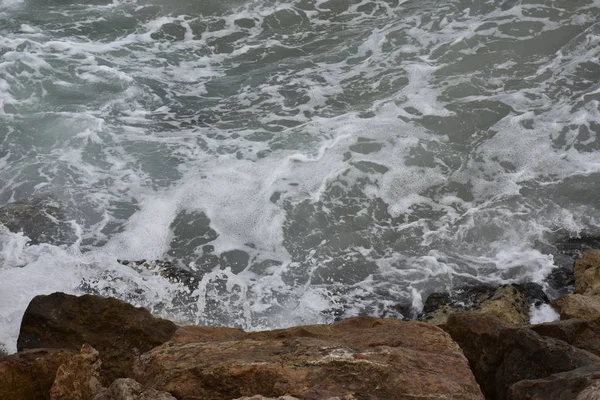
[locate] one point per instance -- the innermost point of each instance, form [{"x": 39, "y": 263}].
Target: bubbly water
[{"x": 303, "y": 160}]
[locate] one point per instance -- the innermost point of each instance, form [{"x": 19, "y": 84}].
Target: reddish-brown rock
[
  {"x": 78, "y": 378},
  {"x": 119, "y": 331},
  {"x": 364, "y": 357},
  {"x": 29, "y": 375}
]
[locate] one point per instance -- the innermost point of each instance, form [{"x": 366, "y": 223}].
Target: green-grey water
[{"x": 302, "y": 160}]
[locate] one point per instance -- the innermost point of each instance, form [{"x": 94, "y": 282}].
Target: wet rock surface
[
  {"x": 363, "y": 357},
  {"x": 42, "y": 219},
  {"x": 119, "y": 331},
  {"x": 510, "y": 303},
  {"x": 587, "y": 273}
]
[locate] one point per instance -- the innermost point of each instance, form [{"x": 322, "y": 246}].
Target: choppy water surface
[{"x": 304, "y": 160}]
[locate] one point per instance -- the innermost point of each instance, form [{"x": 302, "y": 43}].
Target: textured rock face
[
  {"x": 510, "y": 303},
  {"x": 484, "y": 343},
  {"x": 29, "y": 375},
  {"x": 578, "y": 384},
  {"x": 206, "y": 334},
  {"x": 531, "y": 356},
  {"x": 587, "y": 273},
  {"x": 578, "y": 306},
  {"x": 500, "y": 355},
  {"x": 78, "y": 378},
  {"x": 363, "y": 357},
  {"x": 116, "y": 329},
  {"x": 579, "y": 333},
  {"x": 128, "y": 389}
]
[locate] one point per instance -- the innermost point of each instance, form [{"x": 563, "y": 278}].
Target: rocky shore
[{"x": 91, "y": 347}]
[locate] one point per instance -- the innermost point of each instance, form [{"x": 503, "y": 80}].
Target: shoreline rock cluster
[{"x": 97, "y": 348}]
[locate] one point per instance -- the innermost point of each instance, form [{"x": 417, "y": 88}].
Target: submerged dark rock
[{"x": 42, "y": 219}]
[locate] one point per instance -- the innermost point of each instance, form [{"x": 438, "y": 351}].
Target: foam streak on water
[{"x": 303, "y": 160}]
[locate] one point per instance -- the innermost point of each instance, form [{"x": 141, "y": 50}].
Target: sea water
[{"x": 302, "y": 160}]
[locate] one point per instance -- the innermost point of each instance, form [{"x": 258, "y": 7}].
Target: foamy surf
[{"x": 299, "y": 161}]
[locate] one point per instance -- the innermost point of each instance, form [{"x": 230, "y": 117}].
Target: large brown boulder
[
  {"x": 29, "y": 375},
  {"x": 364, "y": 357},
  {"x": 484, "y": 342},
  {"x": 501, "y": 355},
  {"x": 578, "y": 306},
  {"x": 579, "y": 333},
  {"x": 78, "y": 378},
  {"x": 578, "y": 384},
  {"x": 119, "y": 331},
  {"x": 587, "y": 273}
]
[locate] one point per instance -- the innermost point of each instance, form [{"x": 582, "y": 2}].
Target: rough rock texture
[
  {"x": 78, "y": 378},
  {"x": 206, "y": 334},
  {"x": 128, "y": 389},
  {"x": 259, "y": 397},
  {"x": 510, "y": 303},
  {"x": 364, "y": 357},
  {"x": 500, "y": 355},
  {"x": 42, "y": 220},
  {"x": 532, "y": 356},
  {"x": 578, "y": 306},
  {"x": 578, "y": 384},
  {"x": 587, "y": 273},
  {"x": 29, "y": 375},
  {"x": 579, "y": 333},
  {"x": 119, "y": 331},
  {"x": 482, "y": 340}
]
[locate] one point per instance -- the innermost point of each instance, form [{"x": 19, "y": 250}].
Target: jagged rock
[
  {"x": 119, "y": 331},
  {"x": 364, "y": 357},
  {"x": 578, "y": 384},
  {"x": 510, "y": 303},
  {"x": 501, "y": 355},
  {"x": 579, "y": 333},
  {"x": 578, "y": 306},
  {"x": 78, "y": 378},
  {"x": 128, "y": 389},
  {"x": 587, "y": 273},
  {"x": 42, "y": 220},
  {"x": 534, "y": 357},
  {"x": 481, "y": 338},
  {"x": 29, "y": 375}
]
